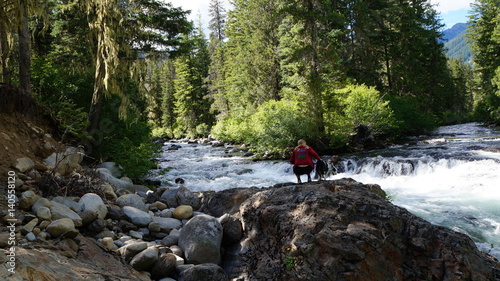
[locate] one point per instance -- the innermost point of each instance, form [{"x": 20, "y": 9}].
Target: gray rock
[
  {"x": 70, "y": 203},
  {"x": 106, "y": 176},
  {"x": 233, "y": 229},
  {"x": 185, "y": 197},
  {"x": 24, "y": 164},
  {"x": 135, "y": 234},
  {"x": 115, "y": 212},
  {"x": 62, "y": 226},
  {"x": 29, "y": 226},
  {"x": 157, "y": 206},
  {"x": 93, "y": 202},
  {"x": 28, "y": 198},
  {"x": 167, "y": 224},
  {"x": 172, "y": 238},
  {"x": 203, "y": 272},
  {"x": 130, "y": 250},
  {"x": 42, "y": 202},
  {"x": 88, "y": 216},
  {"x": 169, "y": 197},
  {"x": 200, "y": 239},
  {"x": 145, "y": 259},
  {"x": 108, "y": 191},
  {"x": 136, "y": 216},
  {"x": 132, "y": 200},
  {"x": 112, "y": 167},
  {"x": 66, "y": 162},
  {"x": 43, "y": 213},
  {"x": 60, "y": 211},
  {"x": 31, "y": 236},
  {"x": 154, "y": 227}
]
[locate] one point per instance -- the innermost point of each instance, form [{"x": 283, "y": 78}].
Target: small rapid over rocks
[{"x": 450, "y": 177}]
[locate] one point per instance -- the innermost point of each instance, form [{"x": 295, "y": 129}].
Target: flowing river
[{"x": 450, "y": 177}]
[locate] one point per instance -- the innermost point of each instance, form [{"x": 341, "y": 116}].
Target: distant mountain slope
[
  {"x": 455, "y": 42},
  {"x": 454, "y": 31}
]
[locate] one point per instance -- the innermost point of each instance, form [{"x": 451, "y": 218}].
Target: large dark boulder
[{"x": 342, "y": 230}]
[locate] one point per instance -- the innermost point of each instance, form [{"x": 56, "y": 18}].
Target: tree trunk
[
  {"x": 24, "y": 51},
  {"x": 98, "y": 95},
  {"x": 4, "y": 55}
]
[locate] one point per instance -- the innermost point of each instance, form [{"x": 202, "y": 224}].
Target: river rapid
[{"x": 450, "y": 177}]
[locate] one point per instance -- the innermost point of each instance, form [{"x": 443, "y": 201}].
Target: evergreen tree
[
  {"x": 485, "y": 36},
  {"x": 168, "y": 96},
  {"x": 192, "y": 106},
  {"x": 216, "y": 73},
  {"x": 309, "y": 47},
  {"x": 252, "y": 64}
]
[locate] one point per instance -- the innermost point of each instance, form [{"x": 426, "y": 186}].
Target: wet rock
[
  {"x": 136, "y": 216},
  {"x": 183, "y": 212},
  {"x": 93, "y": 202},
  {"x": 200, "y": 239}
]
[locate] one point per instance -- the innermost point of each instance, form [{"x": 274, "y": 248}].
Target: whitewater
[{"x": 450, "y": 178}]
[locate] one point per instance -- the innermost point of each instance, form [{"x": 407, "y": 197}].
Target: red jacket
[{"x": 303, "y": 156}]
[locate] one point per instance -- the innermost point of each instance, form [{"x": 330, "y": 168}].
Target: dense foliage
[{"x": 267, "y": 74}]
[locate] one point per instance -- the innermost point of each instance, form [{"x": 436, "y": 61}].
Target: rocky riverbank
[{"x": 87, "y": 224}]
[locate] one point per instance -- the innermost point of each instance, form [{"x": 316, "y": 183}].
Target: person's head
[{"x": 301, "y": 143}]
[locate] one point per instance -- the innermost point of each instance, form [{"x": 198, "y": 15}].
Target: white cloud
[{"x": 445, "y": 6}]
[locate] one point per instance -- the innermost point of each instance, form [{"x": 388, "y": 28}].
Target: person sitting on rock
[{"x": 302, "y": 160}]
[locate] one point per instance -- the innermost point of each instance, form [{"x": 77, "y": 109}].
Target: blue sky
[{"x": 452, "y": 11}]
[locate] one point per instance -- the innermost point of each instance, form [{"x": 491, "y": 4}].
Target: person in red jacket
[{"x": 302, "y": 160}]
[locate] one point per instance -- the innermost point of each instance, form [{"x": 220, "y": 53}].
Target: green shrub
[
  {"x": 356, "y": 105},
  {"x": 65, "y": 94},
  {"x": 411, "y": 119}
]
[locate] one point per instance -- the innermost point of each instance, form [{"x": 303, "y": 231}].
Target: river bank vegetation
[{"x": 266, "y": 73}]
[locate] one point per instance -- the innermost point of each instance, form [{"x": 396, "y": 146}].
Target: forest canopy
[{"x": 266, "y": 73}]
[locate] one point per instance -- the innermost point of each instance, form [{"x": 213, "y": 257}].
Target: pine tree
[
  {"x": 485, "y": 36},
  {"x": 216, "y": 73}
]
